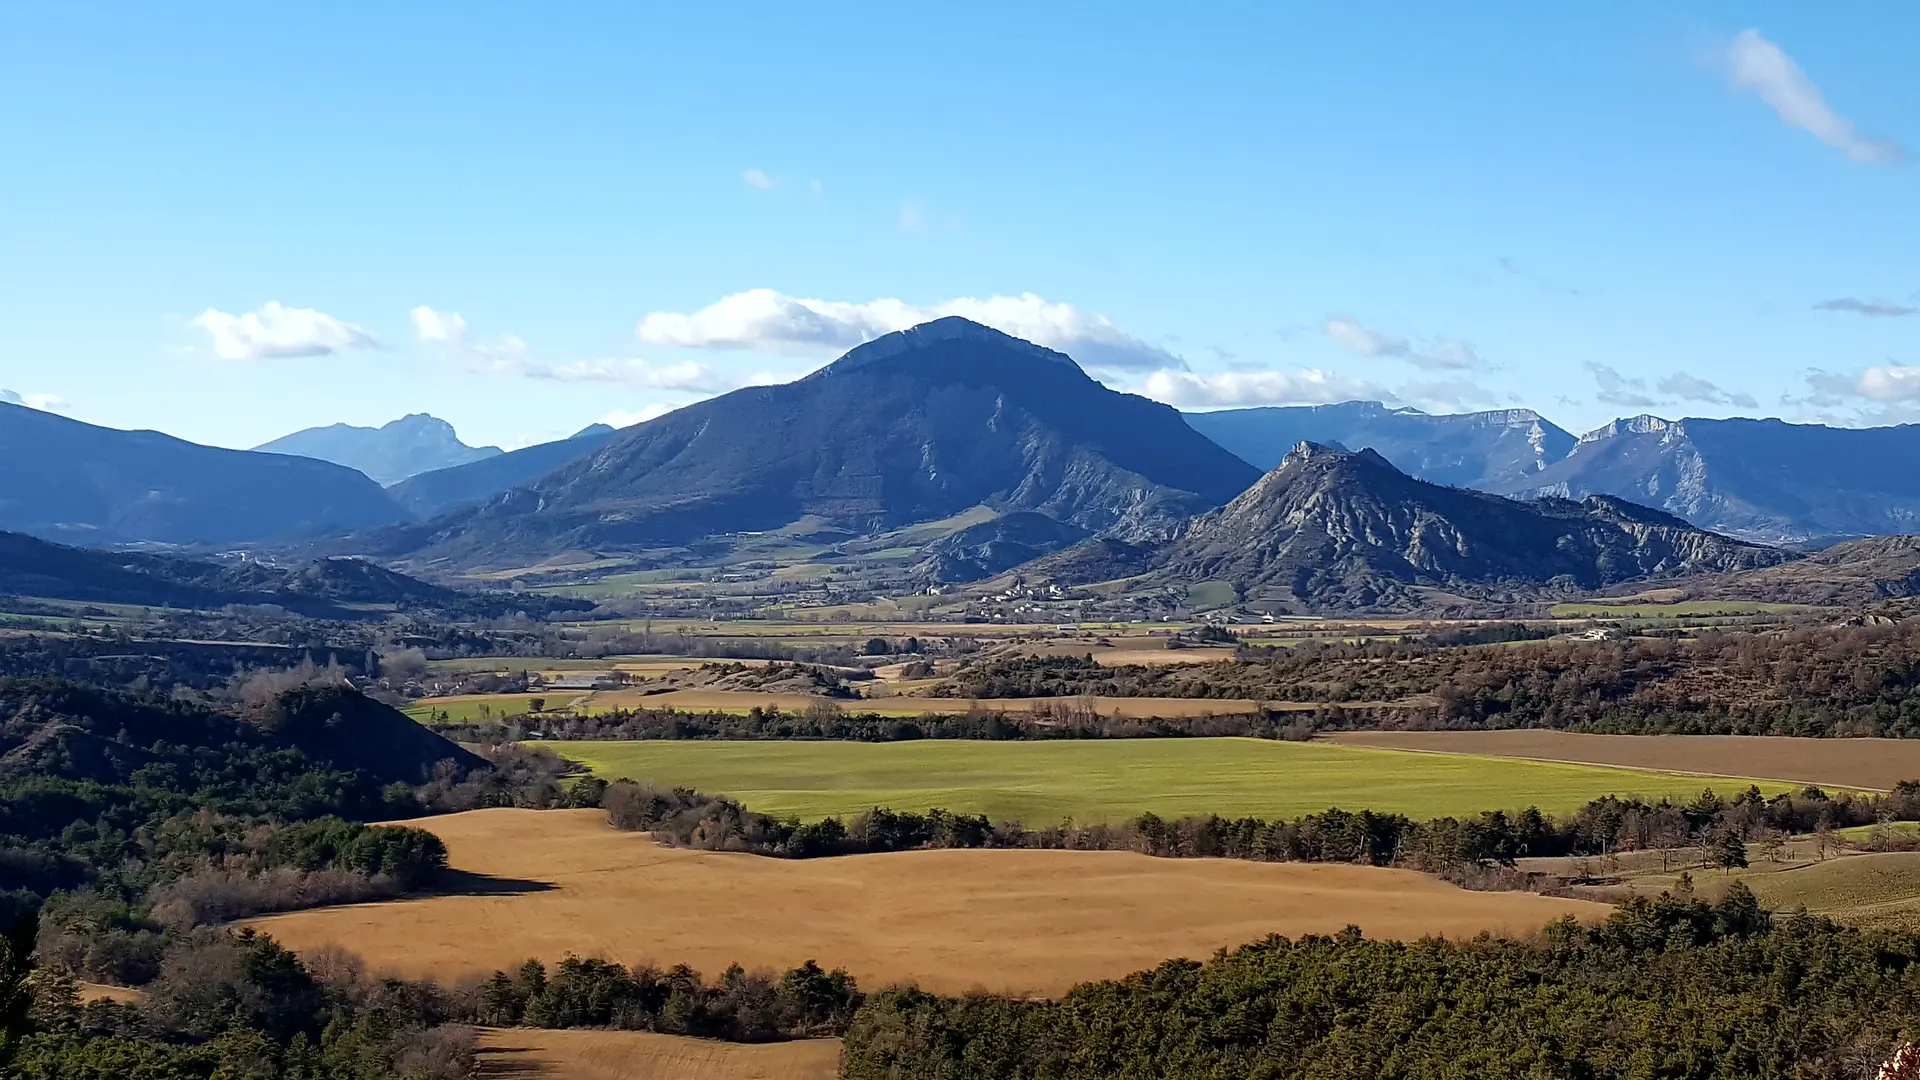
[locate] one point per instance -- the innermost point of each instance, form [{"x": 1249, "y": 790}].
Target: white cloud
[
  {"x": 621, "y": 418},
  {"x": 1889, "y": 382},
  {"x": 1227, "y": 389},
  {"x": 431, "y": 325},
  {"x": 758, "y": 178},
  {"x": 1760, "y": 66},
  {"x": 276, "y": 330},
  {"x": 1442, "y": 355},
  {"x": 768, "y": 321},
  {"x": 42, "y": 402}
]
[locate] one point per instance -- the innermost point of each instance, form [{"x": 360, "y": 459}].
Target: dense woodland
[{"x": 1673, "y": 988}]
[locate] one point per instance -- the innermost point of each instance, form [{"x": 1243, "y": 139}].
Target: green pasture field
[
  {"x": 1875, "y": 890},
  {"x": 1679, "y": 609},
  {"x": 1112, "y": 780}
]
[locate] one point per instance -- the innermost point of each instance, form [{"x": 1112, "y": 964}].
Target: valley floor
[{"x": 548, "y": 883}]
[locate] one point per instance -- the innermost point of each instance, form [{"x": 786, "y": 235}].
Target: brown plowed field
[
  {"x": 1029, "y": 922},
  {"x": 1863, "y": 764},
  {"x": 530, "y": 1054}
]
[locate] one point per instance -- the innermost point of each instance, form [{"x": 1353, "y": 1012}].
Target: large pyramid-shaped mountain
[{"x": 914, "y": 426}]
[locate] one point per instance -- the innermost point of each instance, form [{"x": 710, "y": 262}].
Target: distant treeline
[
  {"x": 1669, "y": 988},
  {"x": 1457, "y": 847},
  {"x": 831, "y": 721},
  {"x": 1810, "y": 681}
]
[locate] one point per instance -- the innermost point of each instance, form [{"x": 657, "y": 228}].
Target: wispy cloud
[
  {"x": 1617, "y": 389},
  {"x": 763, "y": 320},
  {"x": 1226, "y": 389},
  {"x": 1688, "y": 388},
  {"x": 280, "y": 331},
  {"x": 1873, "y": 309},
  {"x": 758, "y": 178},
  {"x": 1442, "y": 355},
  {"x": 912, "y": 217},
  {"x": 622, "y": 418},
  {"x": 1763, "y": 68},
  {"x": 509, "y": 355},
  {"x": 42, "y": 402}
]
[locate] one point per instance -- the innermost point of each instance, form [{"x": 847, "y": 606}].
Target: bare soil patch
[
  {"x": 1862, "y": 764},
  {"x": 1028, "y": 922},
  {"x": 532, "y": 1054}
]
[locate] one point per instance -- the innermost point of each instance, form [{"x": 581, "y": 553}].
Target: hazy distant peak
[{"x": 413, "y": 444}]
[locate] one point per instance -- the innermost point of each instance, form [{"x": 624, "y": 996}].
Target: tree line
[
  {"x": 1666, "y": 988},
  {"x": 1457, "y": 847},
  {"x": 1816, "y": 680}
]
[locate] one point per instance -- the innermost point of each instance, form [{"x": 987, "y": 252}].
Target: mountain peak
[
  {"x": 1332, "y": 528},
  {"x": 947, "y": 329},
  {"x": 1644, "y": 424}
]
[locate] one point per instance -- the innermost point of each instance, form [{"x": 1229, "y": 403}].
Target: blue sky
[{"x": 230, "y": 221}]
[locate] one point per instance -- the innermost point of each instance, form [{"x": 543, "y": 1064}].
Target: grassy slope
[{"x": 1111, "y": 780}]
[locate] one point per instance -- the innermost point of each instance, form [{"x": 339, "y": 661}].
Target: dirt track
[{"x": 1032, "y": 922}]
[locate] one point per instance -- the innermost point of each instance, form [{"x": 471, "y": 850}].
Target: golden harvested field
[
  {"x": 1863, "y": 764},
  {"x": 585, "y": 1054},
  {"x": 1029, "y": 922}
]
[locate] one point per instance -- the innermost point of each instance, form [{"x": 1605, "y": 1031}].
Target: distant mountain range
[
  {"x": 946, "y": 419},
  {"x": 1764, "y": 480},
  {"x": 432, "y": 493},
  {"x": 324, "y": 588},
  {"x": 914, "y": 426},
  {"x": 1332, "y": 528},
  {"x": 1486, "y": 450},
  {"x": 75, "y": 482},
  {"x": 388, "y": 454}
]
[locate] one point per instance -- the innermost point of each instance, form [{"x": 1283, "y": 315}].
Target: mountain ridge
[
  {"x": 1765, "y": 480},
  {"x": 1473, "y": 449},
  {"x": 105, "y": 486},
  {"x": 432, "y": 493},
  {"x": 1341, "y": 529}
]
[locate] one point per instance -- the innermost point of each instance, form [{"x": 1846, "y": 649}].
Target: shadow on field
[
  {"x": 507, "y": 1063},
  {"x": 464, "y": 883}
]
